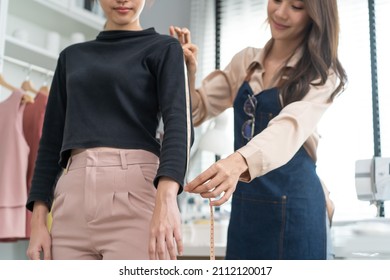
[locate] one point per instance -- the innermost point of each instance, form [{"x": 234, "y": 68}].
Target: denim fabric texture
[{"x": 280, "y": 215}]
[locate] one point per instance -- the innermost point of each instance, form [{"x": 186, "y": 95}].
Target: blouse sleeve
[
  {"x": 219, "y": 88},
  {"x": 287, "y": 132}
]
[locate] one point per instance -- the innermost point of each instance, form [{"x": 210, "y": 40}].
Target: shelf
[
  {"x": 57, "y": 17},
  {"x": 30, "y": 53}
]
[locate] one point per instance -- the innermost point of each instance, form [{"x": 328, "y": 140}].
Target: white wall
[{"x": 164, "y": 13}]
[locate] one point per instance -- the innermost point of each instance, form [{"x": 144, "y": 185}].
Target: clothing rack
[{"x": 28, "y": 66}]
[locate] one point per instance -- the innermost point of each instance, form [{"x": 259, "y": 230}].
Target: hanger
[
  {"x": 45, "y": 88},
  {"x": 26, "y": 98},
  {"x": 4, "y": 83},
  {"x": 27, "y": 85}
]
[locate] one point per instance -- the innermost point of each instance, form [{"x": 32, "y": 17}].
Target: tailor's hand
[
  {"x": 165, "y": 228},
  {"x": 221, "y": 177},
  {"x": 40, "y": 239},
  {"x": 190, "y": 50}
]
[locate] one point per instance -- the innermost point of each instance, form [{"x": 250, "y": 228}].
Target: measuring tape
[{"x": 212, "y": 248}]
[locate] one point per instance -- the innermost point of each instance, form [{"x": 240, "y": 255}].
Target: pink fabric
[
  {"x": 103, "y": 206},
  {"x": 33, "y": 117},
  {"x": 13, "y": 168}
]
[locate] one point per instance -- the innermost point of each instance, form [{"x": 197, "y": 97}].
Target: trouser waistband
[{"x": 117, "y": 157}]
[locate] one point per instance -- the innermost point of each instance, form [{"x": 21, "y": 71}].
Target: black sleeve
[
  {"x": 47, "y": 167},
  {"x": 174, "y": 100}
]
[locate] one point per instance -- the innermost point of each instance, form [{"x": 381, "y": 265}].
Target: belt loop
[
  {"x": 123, "y": 159},
  {"x": 67, "y": 165}
]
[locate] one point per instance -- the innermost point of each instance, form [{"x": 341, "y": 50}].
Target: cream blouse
[{"x": 286, "y": 133}]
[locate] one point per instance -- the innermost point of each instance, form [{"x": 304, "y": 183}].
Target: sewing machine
[
  {"x": 372, "y": 181},
  {"x": 367, "y": 238}
]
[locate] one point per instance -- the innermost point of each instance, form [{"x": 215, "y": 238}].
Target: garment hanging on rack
[
  {"x": 44, "y": 89},
  {"x": 26, "y": 98},
  {"x": 33, "y": 117},
  {"x": 13, "y": 168}
]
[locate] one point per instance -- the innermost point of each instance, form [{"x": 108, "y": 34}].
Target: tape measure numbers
[{"x": 212, "y": 248}]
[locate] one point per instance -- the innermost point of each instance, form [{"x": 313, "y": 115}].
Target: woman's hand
[
  {"x": 221, "y": 177},
  {"x": 190, "y": 50},
  {"x": 165, "y": 229},
  {"x": 40, "y": 241}
]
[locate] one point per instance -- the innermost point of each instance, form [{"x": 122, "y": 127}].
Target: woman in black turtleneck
[{"x": 112, "y": 183}]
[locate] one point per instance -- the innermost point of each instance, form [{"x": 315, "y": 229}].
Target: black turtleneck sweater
[{"x": 111, "y": 92}]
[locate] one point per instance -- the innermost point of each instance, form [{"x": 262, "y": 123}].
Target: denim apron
[{"x": 280, "y": 215}]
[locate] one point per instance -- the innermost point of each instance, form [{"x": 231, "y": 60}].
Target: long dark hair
[{"x": 319, "y": 54}]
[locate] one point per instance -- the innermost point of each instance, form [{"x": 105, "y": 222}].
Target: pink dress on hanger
[
  {"x": 33, "y": 117},
  {"x": 13, "y": 168}
]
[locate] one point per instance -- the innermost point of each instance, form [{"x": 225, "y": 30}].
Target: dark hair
[{"x": 319, "y": 54}]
